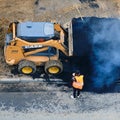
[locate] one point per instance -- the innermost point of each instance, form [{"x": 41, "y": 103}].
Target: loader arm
[
  {"x": 52, "y": 43},
  {"x": 35, "y": 51}
]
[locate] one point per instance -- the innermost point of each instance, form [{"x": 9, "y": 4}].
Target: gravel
[{"x": 54, "y": 103}]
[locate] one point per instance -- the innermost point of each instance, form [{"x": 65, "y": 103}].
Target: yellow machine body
[{"x": 14, "y": 51}]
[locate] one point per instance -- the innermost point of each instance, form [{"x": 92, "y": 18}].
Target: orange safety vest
[{"x": 78, "y": 84}]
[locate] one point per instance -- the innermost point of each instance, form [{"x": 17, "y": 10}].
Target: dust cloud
[{"x": 97, "y": 43}]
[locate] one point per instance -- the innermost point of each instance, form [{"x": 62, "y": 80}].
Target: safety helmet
[{"x": 77, "y": 72}]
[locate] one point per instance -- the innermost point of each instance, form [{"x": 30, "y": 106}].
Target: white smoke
[{"x": 106, "y": 51}]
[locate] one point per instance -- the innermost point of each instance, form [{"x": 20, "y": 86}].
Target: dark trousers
[{"x": 76, "y": 92}]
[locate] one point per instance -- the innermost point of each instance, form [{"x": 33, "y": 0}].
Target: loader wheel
[
  {"x": 53, "y": 67},
  {"x": 26, "y": 67}
]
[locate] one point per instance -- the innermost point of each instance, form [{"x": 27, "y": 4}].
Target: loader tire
[
  {"x": 53, "y": 67},
  {"x": 26, "y": 67}
]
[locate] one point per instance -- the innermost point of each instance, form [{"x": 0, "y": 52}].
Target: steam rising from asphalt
[
  {"x": 97, "y": 41},
  {"x": 106, "y": 51}
]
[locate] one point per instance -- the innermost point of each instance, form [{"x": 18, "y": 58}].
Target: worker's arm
[
  {"x": 82, "y": 81},
  {"x": 82, "y": 84}
]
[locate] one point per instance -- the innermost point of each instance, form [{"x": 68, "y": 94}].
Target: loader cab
[{"x": 35, "y": 31}]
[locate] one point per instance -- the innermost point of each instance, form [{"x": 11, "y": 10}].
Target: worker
[{"x": 77, "y": 84}]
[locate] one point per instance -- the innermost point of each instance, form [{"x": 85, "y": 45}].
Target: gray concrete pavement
[
  {"x": 50, "y": 116},
  {"x": 54, "y": 103}
]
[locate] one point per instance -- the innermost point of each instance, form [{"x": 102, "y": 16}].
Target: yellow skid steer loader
[{"x": 31, "y": 44}]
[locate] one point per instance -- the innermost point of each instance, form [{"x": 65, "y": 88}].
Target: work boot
[
  {"x": 72, "y": 97},
  {"x": 78, "y": 96}
]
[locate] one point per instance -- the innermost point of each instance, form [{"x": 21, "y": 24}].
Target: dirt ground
[{"x": 61, "y": 11}]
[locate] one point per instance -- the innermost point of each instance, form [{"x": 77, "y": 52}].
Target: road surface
[{"x": 51, "y": 102}]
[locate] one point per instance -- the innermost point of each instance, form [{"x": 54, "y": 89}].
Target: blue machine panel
[{"x": 33, "y": 30}]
